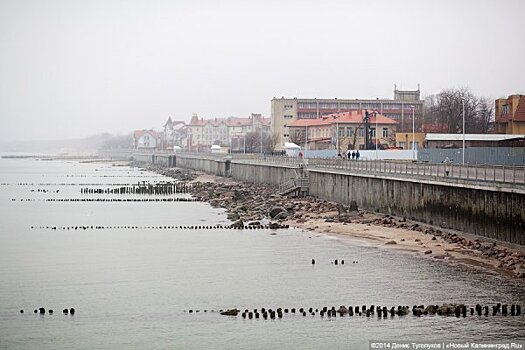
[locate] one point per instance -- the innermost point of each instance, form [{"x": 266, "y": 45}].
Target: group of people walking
[{"x": 350, "y": 154}]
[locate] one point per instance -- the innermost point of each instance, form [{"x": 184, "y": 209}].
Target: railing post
[
  {"x": 503, "y": 168},
  {"x": 513, "y": 174},
  {"x": 494, "y": 173}
]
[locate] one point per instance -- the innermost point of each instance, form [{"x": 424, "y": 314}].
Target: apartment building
[{"x": 405, "y": 105}]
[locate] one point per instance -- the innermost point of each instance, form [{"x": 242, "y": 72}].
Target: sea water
[{"x": 133, "y": 288}]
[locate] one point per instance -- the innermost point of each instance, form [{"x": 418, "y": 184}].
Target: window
[
  {"x": 402, "y": 144},
  {"x": 349, "y": 131},
  {"x": 373, "y": 132},
  {"x": 392, "y": 106},
  {"x": 385, "y": 132},
  {"x": 361, "y": 132}
]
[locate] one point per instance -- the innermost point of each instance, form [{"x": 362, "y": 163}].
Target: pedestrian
[
  {"x": 353, "y": 155},
  {"x": 446, "y": 163},
  {"x": 357, "y": 155}
]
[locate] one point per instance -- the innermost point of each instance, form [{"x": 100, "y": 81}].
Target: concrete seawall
[
  {"x": 480, "y": 209},
  {"x": 489, "y": 212}
]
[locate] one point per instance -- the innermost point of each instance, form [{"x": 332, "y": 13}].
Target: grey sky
[{"x": 73, "y": 68}]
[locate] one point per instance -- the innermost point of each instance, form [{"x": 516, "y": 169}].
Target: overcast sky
[{"x": 75, "y": 68}]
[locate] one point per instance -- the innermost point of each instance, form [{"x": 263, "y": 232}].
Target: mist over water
[{"x": 132, "y": 287}]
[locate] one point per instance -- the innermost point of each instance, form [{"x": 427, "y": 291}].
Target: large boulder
[
  {"x": 342, "y": 310},
  {"x": 275, "y": 211},
  {"x": 431, "y": 309},
  {"x": 281, "y": 216},
  {"x": 237, "y": 224},
  {"x": 446, "y": 309},
  {"x": 230, "y": 312}
]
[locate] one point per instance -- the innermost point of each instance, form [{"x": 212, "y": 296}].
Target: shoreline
[{"x": 250, "y": 202}]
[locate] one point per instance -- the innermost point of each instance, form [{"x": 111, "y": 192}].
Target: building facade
[
  {"x": 174, "y": 133},
  {"x": 510, "y": 115},
  {"x": 148, "y": 140},
  {"x": 342, "y": 131},
  {"x": 401, "y": 109},
  {"x": 407, "y": 140},
  {"x": 226, "y": 132}
]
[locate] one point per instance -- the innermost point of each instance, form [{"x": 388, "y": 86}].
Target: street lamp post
[
  {"x": 337, "y": 135},
  {"x": 375, "y": 116},
  {"x": 463, "y": 153},
  {"x": 413, "y": 132},
  {"x": 261, "y": 138},
  {"x": 305, "y": 139}
]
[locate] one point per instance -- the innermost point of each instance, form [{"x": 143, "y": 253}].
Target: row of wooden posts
[
  {"x": 174, "y": 199},
  {"x": 167, "y": 227},
  {"x": 143, "y": 188},
  {"x": 381, "y": 311},
  {"x": 42, "y": 311}
]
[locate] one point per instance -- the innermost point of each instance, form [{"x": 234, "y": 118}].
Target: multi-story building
[
  {"x": 227, "y": 132},
  {"x": 174, "y": 133},
  {"x": 342, "y": 131},
  {"x": 510, "y": 115},
  {"x": 404, "y": 106}
]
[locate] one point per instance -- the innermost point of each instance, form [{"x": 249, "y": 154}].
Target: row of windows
[
  {"x": 307, "y": 105},
  {"x": 307, "y": 115},
  {"x": 288, "y": 116},
  {"x": 335, "y": 106},
  {"x": 288, "y": 106}
]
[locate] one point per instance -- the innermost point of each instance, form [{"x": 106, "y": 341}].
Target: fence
[
  {"x": 475, "y": 155},
  {"x": 456, "y": 173}
]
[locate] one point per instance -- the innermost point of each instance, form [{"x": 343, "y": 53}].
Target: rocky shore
[{"x": 249, "y": 203}]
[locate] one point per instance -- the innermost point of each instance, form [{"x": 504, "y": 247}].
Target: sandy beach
[{"x": 400, "y": 234}]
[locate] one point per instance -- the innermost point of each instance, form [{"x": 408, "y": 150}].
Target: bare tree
[
  {"x": 270, "y": 142},
  {"x": 297, "y": 136},
  {"x": 253, "y": 142},
  {"x": 446, "y": 108}
]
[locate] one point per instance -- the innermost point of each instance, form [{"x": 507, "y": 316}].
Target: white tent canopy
[{"x": 291, "y": 145}]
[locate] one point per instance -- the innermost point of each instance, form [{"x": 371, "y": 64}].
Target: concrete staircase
[{"x": 299, "y": 184}]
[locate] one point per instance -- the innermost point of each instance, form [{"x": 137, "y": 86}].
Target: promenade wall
[{"x": 482, "y": 209}]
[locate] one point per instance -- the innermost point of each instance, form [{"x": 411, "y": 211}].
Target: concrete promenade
[{"x": 482, "y": 200}]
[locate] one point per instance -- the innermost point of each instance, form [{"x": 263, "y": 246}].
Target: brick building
[{"x": 510, "y": 115}]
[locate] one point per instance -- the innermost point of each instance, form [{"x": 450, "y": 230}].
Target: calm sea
[{"x": 131, "y": 287}]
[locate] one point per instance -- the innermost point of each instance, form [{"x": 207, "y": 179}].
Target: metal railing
[
  {"x": 456, "y": 173},
  {"x": 496, "y": 174}
]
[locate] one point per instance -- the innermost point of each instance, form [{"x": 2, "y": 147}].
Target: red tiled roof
[
  {"x": 138, "y": 133},
  {"x": 353, "y": 117}
]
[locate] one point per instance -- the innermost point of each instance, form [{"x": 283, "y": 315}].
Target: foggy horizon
[{"x": 75, "y": 69}]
